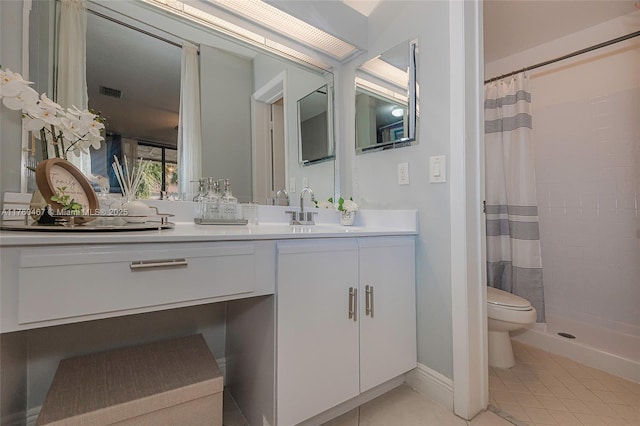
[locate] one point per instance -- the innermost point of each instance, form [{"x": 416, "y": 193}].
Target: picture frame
[{"x": 56, "y": 173}]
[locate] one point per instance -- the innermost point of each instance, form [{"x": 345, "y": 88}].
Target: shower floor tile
[{"x": 543, "y": 388}]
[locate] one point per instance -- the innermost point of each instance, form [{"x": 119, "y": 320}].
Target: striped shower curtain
[{"x": 514, "y": 262}]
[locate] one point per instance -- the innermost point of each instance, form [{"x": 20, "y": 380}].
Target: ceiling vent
[{"x": 108, "y": 91}]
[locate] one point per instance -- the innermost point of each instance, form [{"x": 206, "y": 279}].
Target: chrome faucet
[
  {"x": 281, "y": 193},
  {"x": 304, "y": 191},
  {"x": 302, "y": 217}
]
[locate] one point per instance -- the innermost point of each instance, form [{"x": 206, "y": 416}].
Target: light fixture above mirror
[
  {"x": 386, "y": 99},
  {"x": 267, "y": 16}
]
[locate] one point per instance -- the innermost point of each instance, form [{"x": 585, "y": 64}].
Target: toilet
[{"x": 506, "y": 312}]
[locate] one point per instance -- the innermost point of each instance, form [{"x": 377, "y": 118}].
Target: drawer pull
[
  {"x": 154, "y": 264},
  {"x": 353, "y": 303},
  {"x": 369, "y": 300}
]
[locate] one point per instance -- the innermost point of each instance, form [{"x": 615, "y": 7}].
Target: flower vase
[
  {"x": 347, "y": 217},
  {"x": 135, "y": 211}
]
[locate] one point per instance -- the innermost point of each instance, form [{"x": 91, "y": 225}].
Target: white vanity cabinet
[
  {"x": 387, "y": 309},
  {"x": 63, "y": 284},
  {"x": 335, "y": 338}
]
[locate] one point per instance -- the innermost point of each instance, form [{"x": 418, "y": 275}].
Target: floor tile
[
  {"x": 576, "y": 406},
  {"x": 540, "y": 416},
  {"x": 404, "y": 406},
  {"x": 552, "y": 403},
  {"x": 516, "y": 411},
  {"x": 590, "y": 419},
  {"x": 561, "y": 391},
  {"x": 565, "y": 418},
  {"x": 488, "y": 418},
  {"x": 527, "y": 400},
  {"x": 602, "y": 409}
]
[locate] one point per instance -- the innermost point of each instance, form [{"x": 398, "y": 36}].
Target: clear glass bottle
[
  {"x": 211, "y": 201},
  {"x": 202, "y": 191},
  {"x": 228, "y": 203}
]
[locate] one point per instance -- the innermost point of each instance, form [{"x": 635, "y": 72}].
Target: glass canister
[
  {"x": 211, "y": 201},
  {"x": 202, "y": 191},
  {"x": 228, "y": 203}
]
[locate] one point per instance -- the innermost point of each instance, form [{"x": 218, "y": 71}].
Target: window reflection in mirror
[
  {"x": 133, "y": 79},
  {"x": 386, "y": 99},
  {"x": 314, "y": 123}
]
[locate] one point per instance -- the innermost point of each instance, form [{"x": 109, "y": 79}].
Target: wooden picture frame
[{"x": 55, "y": 173}]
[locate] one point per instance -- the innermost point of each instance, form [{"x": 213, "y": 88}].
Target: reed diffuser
[{"x": 129, "y": 178}]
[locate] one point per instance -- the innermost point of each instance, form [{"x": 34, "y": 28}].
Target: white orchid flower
[
  {"x": 349, "y": 206},
  {"x": 76, "y": 130},
  {"x": 46, "y": 101},
  {"x": 44, "y": 112},
  {"x": 33, "y": 124},
  {"x": 26, "y": 98},
  {"x": 11, "y": 83}
]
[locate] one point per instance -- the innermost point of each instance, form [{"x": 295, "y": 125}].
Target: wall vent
[{"x": 108, "y": 91}]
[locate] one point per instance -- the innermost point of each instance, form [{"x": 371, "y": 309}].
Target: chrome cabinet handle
[
  {"x": 139, "y": 265},
  {"x": 353, "y": 303},
  {"x": 368, "y": 300}
]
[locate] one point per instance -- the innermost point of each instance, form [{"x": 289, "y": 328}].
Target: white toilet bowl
[{"x": 506, "y": 312}]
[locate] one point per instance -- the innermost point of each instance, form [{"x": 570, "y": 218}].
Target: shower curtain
[
  {"x": 189, "y": 131},
  {"x": 514, "y": 261}
]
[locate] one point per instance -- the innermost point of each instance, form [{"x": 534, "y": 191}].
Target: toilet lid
[{"x": 508, "y": 300}]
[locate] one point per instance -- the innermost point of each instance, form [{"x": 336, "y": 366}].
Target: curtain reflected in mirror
[{"x": 386, "y": 99}]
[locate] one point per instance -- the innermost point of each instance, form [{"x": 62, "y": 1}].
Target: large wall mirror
[
  {"x": 315, "y": 112},
  {"x": 386, "y": 99},
  {"x": 133, "y": 78}
]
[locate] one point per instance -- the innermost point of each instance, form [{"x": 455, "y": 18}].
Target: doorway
[{"x": 269, "y": 141}]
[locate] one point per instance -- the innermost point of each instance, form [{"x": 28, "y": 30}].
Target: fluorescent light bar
[
  {"x": 381, "y": 91},
  {"x": 379, "y": 68},
  {"x": 277, "y": 20},
  {"x": 207, "y": 19}
]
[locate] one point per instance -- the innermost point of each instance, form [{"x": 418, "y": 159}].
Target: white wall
[
  {"x": 372, "y": 177},
  {"x": 586, "y": 131},
  {"x": 10, "y": 121},
  {"x": 225, "y": 88}
]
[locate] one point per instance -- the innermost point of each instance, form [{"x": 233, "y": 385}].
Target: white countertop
[{"x": 271, "y": 227}]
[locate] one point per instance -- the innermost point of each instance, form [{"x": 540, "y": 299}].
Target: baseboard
[
  {"x": 432, "y": 385},
  {"x": 33, "y": 413}
]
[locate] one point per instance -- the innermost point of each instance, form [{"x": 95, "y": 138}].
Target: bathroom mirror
[
  {"x": 315, "y": 128},
  {"x": 386, "y": 99},
  {"x": 231, "y": 73}
]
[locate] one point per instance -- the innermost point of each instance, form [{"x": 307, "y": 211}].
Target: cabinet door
[
  {"x": 317, "y": 365},
  {"x": 388, "y": 332}
]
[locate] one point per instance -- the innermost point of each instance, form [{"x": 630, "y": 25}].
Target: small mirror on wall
[
  {"x": 386, "y": 99},
  {"x": 315, "y": 124}
]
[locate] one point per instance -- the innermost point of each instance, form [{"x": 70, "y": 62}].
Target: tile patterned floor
[
  {"x": 403, "y": 406},
  {"x": 547, "y": 389}
]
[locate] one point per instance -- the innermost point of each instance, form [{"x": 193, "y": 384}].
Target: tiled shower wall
[{"x": 586, "y": 131}]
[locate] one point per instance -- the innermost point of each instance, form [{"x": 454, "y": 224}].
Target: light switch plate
[
  {"x": 438, "y": 169},
  {"x": 292, "y": 185},
  {"x": 305, "y": 182},
  {"x": 403, "y": 174}
]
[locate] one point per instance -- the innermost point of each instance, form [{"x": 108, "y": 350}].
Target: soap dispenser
[
  {"x": 228, "y": 203},
  {"x": 211, "y": 201}
]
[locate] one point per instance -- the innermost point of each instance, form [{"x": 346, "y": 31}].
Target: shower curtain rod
[{"x": 570, "y": 55}]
